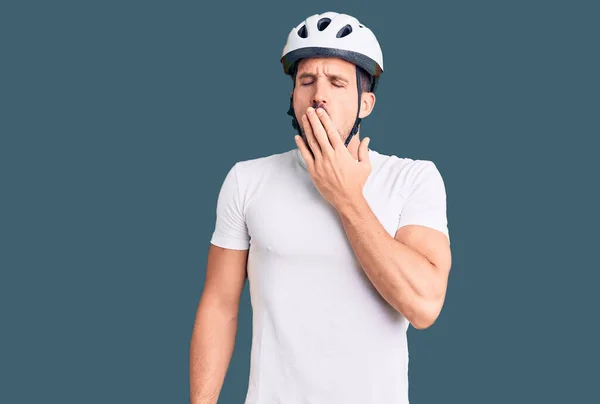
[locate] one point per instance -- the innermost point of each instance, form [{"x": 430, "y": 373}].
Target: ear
[{"x": 367, "y": 103}]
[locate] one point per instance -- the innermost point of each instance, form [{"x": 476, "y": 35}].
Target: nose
[{"x": 320, "y": 96}]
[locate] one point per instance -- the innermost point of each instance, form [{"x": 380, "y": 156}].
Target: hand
[{"x": 334, "y": 171}]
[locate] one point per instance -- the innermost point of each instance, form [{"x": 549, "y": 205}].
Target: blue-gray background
[{"x": 119, "y": 121}]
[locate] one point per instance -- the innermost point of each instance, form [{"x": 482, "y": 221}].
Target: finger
[
  {"x": 310, "y": 138},
  {"x": 332, "y": 133},
  {"x": 363, "y": 150},
  {"x": 319, "y": 130},
  {"x": 304, "y": 150}
]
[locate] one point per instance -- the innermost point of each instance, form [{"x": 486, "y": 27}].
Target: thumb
[{"x": 363, "y": 150}]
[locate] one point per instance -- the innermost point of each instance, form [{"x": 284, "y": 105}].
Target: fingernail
[{"x": 310, "y": 110}]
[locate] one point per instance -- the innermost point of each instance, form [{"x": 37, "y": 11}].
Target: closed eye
[{"x": 334, "y": 84}]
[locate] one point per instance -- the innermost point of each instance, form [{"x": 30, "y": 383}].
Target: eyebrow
[{"x": 331, "y": 77}]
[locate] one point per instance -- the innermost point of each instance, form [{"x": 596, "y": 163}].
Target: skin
[
  {"x": 215, "y": 327},
  {"x": 410, "y": 271},
  {"x": 330, "y": 83}
]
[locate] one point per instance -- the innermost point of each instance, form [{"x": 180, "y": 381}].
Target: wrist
[{"x": 352, "y": 206}]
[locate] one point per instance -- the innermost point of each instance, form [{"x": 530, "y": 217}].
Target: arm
[
  {"x": 215, "y": 328},
  {"x": 410, "y": 271}
]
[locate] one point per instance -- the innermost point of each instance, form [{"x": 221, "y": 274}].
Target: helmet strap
[
  {"x": 291, "y": 109},
  {"x": 357, "y": 121}
]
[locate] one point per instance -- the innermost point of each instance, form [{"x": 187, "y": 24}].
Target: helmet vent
[
  {"x": 323, "y": 23},
  {"x": 345, "y": 31},
  {"x": 302, "y": 32}
]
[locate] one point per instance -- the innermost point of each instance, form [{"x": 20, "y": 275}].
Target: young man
[{"x": 343, "y": 247}]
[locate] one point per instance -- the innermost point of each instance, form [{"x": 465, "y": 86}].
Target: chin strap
[
  {"x": 357, "y": 121},
  {"x": 291, "y": 109},
  {"x": 354, "y": 130}
]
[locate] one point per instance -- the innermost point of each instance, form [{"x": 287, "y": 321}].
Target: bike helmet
[{"x": 333, "y": 35}]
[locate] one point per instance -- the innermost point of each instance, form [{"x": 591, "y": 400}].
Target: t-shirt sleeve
[
  {"x": 425, "y": 200},
  {"x": 230, "y": 228}
]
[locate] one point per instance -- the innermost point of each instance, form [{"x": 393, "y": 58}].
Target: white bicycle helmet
[{"x": 333, "y": 35}]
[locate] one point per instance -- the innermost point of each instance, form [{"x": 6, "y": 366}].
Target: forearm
[
  {"x": 211, "y": 349},
  {"x": 403, "y": 277}
]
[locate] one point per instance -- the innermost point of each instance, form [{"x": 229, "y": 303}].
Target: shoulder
[
  {"x": 410, "y": 171},
  {"x": 256, "y": 169},
  {"x": 261, "y": 162}
]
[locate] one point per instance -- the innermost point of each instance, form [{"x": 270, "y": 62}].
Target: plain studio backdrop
[{"x": 119, "y": 121}]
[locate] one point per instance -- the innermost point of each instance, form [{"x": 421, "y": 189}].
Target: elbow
[
  {"x": 426, "y": 308},
  {"x": 422, "y": 323},
  {"x": 425, "y": 315}
]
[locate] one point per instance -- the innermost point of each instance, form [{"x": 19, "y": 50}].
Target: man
[{"x": 343, "y": 247}]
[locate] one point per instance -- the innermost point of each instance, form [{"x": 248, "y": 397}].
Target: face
[{"x": 330, "y": 83}]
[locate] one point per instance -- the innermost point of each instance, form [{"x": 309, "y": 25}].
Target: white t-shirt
[{"x": 322, "y": 334}]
